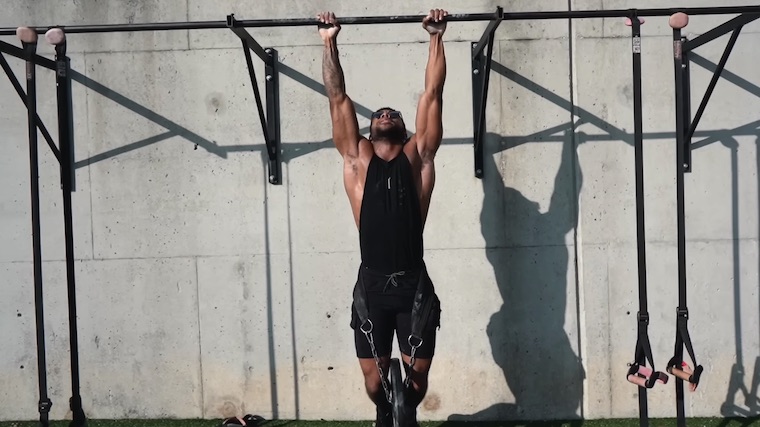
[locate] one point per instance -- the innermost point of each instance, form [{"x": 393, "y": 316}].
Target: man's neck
[{"x": 387, "y": 150}]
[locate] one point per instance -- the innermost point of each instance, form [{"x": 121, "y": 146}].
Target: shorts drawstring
[{"x": 392, "y": 279}]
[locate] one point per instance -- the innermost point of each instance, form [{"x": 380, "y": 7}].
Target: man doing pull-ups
[{"x": 389, "y": 179}]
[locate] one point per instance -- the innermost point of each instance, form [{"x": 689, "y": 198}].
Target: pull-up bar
[{"x": 399, "y": 19}]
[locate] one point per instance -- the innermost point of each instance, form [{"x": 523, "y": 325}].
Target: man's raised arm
[
  {"x": 345, "y": 125},
  {"x": 429, "y": 126}
]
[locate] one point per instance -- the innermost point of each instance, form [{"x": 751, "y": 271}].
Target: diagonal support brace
[
  {"x": 713, "y": 82},
  {"x": 270, "y": 120},
  {"x": 721, "y": 30},
  {"x": 22, "y": 94},
  {"x": 18, "y": 52},
  {"x": 481, "y": 70}
]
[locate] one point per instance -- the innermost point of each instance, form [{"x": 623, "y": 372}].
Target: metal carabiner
[
  {"x": 370, "y": 326},
  {"x": 409, "y": 340}
]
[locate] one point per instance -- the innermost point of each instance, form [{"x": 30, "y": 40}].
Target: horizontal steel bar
[
  {"x": 112, "y": 28},
  {"x": 624, "y": 13},
  {"x": 250, "y": 23},
  {"x": 466, "y": 17}
]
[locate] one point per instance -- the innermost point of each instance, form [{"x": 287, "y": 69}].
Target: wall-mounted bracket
[
  {"x": 689, "y": 124},
  {"x": 481, "y": 70},
  {"x": 270, "y": 121}
]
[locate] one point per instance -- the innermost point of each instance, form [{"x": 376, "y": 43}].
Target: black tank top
[{"x": 390, "y": 221}]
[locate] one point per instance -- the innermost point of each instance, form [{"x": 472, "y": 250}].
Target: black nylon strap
[
  {"x": 423, "y": 306},
  {"x": 360, "y": 301},
  {"x": 643, "y": 350},
  {"x": 684, "y": 340},
  {"x": 682, "y": 334}
]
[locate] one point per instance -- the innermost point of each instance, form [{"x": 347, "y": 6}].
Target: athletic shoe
[{"x": 384, "y": 417}]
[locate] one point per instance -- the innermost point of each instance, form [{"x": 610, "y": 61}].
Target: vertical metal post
[
  {"x": 481, "y": 70},
  {"x": 683, "y": 136},
  {"x": 273, "y": 116},
  {"x": 686, "y": 101},
  {"x": 478, "y": 72},
  {"x": 681, "y": 167}
]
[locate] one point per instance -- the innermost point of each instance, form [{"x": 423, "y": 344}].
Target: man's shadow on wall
[{"x": 532, "y": 268}]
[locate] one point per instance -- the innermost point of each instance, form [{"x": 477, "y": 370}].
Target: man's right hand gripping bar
[{"x": 644, "y": 376}]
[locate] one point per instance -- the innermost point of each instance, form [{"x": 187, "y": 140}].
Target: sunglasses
[{"x": 391, "y": 114}]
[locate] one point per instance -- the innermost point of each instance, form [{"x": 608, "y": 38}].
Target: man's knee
[
  {"x": 372, "y": 381},
  {"x": 418, "y": 373},
  {"x": 421, "y": 364}
]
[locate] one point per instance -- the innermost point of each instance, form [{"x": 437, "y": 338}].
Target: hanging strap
[
  {"x": 676, "y": 366},
  {"x": 360, "y": 303},
  {"x": 426, "y": 311},
  {"x": 639, "y": 373}
]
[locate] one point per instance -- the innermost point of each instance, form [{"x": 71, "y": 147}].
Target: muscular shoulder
[
  {"x": 358, "y": 163},
  {"x": 412, "y": 152}
]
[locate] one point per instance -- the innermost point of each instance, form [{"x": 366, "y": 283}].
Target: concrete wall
[{"x": 204, "y": 291}]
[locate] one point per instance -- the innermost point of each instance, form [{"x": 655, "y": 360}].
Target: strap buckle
[
  {"x": 45, "y": 405},
  {"x": 643, "y": 317}
]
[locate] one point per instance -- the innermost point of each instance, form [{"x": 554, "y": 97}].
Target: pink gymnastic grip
[
  {"x": 684, "y": 372},
  {"x": 26, "y": 35},
  {"x": 55, "y": 36},
  {"x": 635, "y": 379},
  {"x": 647, "y": 373},
  {"x": 678, "y": 20},
  {"x": 680, "y": 374},
  {"x": 628, "y": 21}
]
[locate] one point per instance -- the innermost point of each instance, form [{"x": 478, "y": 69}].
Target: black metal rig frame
[
  {"x": 269, "y": 116},
  {"x": 685, "y": 128}
]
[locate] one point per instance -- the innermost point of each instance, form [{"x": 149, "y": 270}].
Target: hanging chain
[
  {"x": 408, "y": 378},
  {"x": 371, "y": 341}
]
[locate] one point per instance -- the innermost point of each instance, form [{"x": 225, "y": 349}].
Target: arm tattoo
[{"x": 332, "y": 73}]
